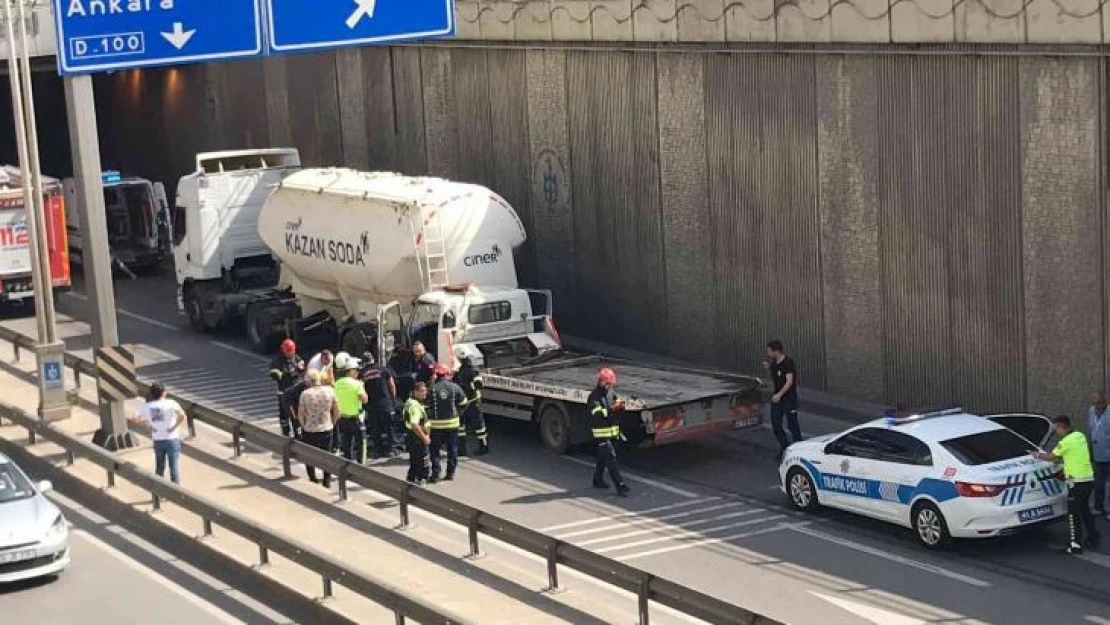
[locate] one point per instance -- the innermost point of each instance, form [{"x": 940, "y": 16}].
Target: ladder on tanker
[{"x": 435, "y": 255}]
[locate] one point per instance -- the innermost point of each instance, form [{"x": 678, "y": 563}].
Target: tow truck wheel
[
  {"x": 929, "y": 526},
  {"x": 555, "y": 427},
  {"x": 195, "y": 313},
  {"x": 800, "y": 488}
]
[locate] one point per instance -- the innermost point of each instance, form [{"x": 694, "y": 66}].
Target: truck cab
[
  {"x": 140, "y": 232},
  {"x": 493, "y": 327}
]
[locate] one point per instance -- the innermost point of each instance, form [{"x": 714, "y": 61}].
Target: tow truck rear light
[{"x": 967, "y": 489}]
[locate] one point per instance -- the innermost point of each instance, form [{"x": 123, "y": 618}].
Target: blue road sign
[
  {"x": 314, "y": 24},
  {"x": 52, "y": 374},
  {"x": 106, "y": 35}
]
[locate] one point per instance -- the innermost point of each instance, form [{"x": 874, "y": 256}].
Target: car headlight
[{"x": 57, "y": 530}]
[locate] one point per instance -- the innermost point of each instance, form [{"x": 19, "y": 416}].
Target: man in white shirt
[
  {"x": 164, "y": 416},
  {"x": 323, "y": 363}
]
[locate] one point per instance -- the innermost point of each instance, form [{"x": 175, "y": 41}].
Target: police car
[{"x": 945, "y": 474}]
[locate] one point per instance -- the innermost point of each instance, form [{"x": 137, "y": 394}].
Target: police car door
[
  {"x": 849, "y": 472},
  {"x": 902, "y": 462}
]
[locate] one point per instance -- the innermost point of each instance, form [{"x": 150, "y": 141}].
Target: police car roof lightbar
[{"x": 896, "y": 419}]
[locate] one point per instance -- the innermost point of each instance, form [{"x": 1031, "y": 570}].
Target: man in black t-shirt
[
  {"x": 379, "y": 381},
  {"x": 785, "y": 400}
]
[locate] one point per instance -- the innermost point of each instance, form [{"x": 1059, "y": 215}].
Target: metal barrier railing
[
  {"x": 644, "y": 585},
  {"x": 401, "y": 603}
]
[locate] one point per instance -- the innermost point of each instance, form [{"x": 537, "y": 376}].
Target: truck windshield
[{"x": 988, "y": 447}]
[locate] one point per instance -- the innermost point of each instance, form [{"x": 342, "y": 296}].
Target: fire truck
[{"x": 16, "y": 286}]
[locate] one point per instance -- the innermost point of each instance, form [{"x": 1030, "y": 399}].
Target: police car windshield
[{"x": 988, "y": 447}]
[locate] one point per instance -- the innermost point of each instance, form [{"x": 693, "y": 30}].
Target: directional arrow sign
[
  {"x": 108, "y": 35},
  {"x": 314, "y": 24},
  {"x": 178, "y": 37}
]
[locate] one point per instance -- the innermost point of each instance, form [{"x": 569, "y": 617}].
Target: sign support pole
[
  {"x": 49, "y": 351},
  {"x": 85, "y": 144}
]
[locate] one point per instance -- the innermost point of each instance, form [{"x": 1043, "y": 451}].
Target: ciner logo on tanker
[
  {"x": 328, "y": 249},
  {"x": 488, "y": 258}
]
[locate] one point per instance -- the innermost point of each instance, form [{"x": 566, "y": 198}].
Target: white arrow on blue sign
[
  {"x": 105, "y": 35},
  {"x": 313, "y": 24}
]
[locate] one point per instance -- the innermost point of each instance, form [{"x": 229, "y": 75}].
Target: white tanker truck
[{"x": 432, "y": 260}]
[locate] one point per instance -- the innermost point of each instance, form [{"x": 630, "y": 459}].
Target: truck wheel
[
  {"x": 195, "y": 313},
  {"x": 258, "y": 328},
  {"x": 555, "y": 427},
  {"x": 354, "y": 342}
]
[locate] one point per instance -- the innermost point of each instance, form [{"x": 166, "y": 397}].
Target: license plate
[
  {"x": 1033, "y": 514},
  {"x": 745, "y": 423},
  {"x": 8, "y": 557}
]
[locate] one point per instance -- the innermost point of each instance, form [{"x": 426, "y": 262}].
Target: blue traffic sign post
[
  {"x": 107, "y": 35},
  {"x": 302, "y": 25}
]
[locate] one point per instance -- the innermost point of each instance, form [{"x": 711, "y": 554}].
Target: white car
[
  {"x": 943, "y": 474},
  {"x": 34, "y": 536}
]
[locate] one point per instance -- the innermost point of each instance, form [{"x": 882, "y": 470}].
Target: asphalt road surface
[
  {"x": 705, "y": 513},
  {"x": 117, "y": 578}
]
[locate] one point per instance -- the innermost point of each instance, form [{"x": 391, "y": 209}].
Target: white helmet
[{"x": 342, "y": 361}]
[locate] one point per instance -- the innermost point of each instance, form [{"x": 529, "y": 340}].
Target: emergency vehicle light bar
[
  {"x": 110, "y": 176},
  {"x": 894, "y": 419}
]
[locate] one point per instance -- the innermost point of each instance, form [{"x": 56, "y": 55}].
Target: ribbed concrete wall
[{"x": 916, "y": 228}]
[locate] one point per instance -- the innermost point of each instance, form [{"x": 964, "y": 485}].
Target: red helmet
[
  {"x": 442, "y": 370},
  {"x": 288, "y": 347},
  {"x": 606, "y": 376}
]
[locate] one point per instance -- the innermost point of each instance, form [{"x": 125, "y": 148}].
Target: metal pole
[
  {"x": 85, "y": 144},
  {"x": 49, "y": 352},
  {"x": 46, "y": 295}
]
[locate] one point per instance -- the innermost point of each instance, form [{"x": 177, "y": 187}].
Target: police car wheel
[
  {"x": 929, "y": 526},
  {"x": 800, "y": 488}
]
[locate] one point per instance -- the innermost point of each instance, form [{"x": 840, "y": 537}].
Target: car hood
[{"x": 25, "y": 521}]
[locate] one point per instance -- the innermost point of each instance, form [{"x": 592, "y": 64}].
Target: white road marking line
[
  {"x": 148, "y": 320},
  {"x": 176, "y": 373},
  {"x": 668, "y": 527},
  {"x": 681, "y": 534},
  {"x": 708, "y": 541},
  {"x": 1097, "y": 559},
  {"x": 1097, "y": 620},
  {"x": 667, "y": 517},
  {"x": 643, "y": 480},
  {"x": 923, "y": 566},
  {"x": 868, "y": 612},
  {"x": 159, "y": 579},
  {"x": 240, "y": 351},
  {"x": 626, "y": 515}
]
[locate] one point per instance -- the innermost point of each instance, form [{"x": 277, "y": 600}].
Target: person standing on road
[
  {"x": 784, "y": 402},
  {"x": 605, "y": 427},
  {"x": 350, "y": 394},
  {"x": 417, "y": 437},
  {"x": 470, "y": 379},
  {"x": 286, "y": 370},
  {"x": 1098, "y": 423},
  {"x": 381, "y": 389},
  {"x": 164, "y": 416},
  {"x": 318, "y": 412},
  {"x": 447, "y": 398},
  {"x": 423, "y": 365},
  {"x": 1073, "y": 452},
  {"x": 325, "y": 364}
]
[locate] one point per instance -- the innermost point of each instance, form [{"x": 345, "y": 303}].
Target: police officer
[
  {"x": 1072, "y": 450},
  {"x": 381, "y": 389},
  {"x": 470, "y": 380},
  {"x": 446, "y": 400},
  {"x": 350, "y": 394},
  {"x": 603, "y": 405},
  {"x": 286, "y": 370},
  {"x": 417, "y": 438}
]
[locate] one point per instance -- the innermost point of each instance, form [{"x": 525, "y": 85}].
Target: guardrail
[
  {"x": 644, "y": 585},
  {"x": 402, "y": 604}
]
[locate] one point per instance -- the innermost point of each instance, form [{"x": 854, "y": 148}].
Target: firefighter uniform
[
  {"x": 474, "y": 423},
  {"x": 446, "y": 398},
  {"x": 419, "y": 465},
  {"x": 287, "y": 370},
  {"x": 606, "y": 431}
]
